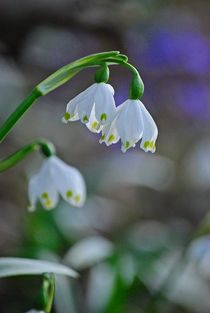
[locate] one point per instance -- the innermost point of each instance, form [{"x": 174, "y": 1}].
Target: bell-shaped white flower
[
  {"x": 131, "y": 123},
  {"x": 53, "y": 179},
  {"x": 95, "y": 107}
]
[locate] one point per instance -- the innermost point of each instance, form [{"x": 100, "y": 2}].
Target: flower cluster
[
  {"x": 95, "y": 107},
  {"x": 130, "y": 121},
  {"x": 56, "y": 177}
]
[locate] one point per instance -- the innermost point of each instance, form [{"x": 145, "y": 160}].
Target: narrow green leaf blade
[
  {"x": 57, "y": 79},
  {"x": 68, "y": 71}
]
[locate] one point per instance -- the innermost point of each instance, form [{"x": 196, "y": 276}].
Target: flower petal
[
  {"x": 110, "y": 134},
  {"x": 105, "y": 108},
  {"x": 68, "y": 181},
  {"x": 84, "y": 107},
  {"x": 93, "y": 124},
  {"x": 129, "y": 123},
  {"x": 79, "y": 103},
  {"x": 150, "y": 131},
  {"x": 33, "y": 192},
  {"x": 41, "y": 187}
]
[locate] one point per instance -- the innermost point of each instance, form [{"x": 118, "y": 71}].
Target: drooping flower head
[
  {"x": 95, "y": 107},
  {"x": 53, "y": 179},
  {"x": 131, "y": 123}
]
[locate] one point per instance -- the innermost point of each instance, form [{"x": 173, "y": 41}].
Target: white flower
[
  {"x": 56, "y": 177},
  {"x": 131, "y": 123},
  {"x": 95, "y": 107}
]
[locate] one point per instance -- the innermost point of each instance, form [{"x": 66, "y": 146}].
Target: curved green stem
[
  {"x": 45, "y": 146},
  {"x": 68, "y": 71},
  {"x": 19, "y": 111},
  {"x": 137, "y": 86}
]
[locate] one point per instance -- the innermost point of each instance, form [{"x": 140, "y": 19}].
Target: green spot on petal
[
  {"x": 48, "y": 204},
  {"x": 149, "y": 144},
  {"x": 146, "y": 144},
  {"x": 85, "y": 119},
  {"x": 102, "y": 137},
  {"x": 127, "y": 144},
  {"x": 69, "y": 193},
  {"x": 67, "y": 116},
  {"x": 111, "y": 138},
  {"x": 45, "y": 195},
  {"x": 103, "y": 117},
  {"x": 94, "y": 125},
  {"x": 77, "y": 198}
]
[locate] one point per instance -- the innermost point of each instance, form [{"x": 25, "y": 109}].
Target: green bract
[{"x": 102, "y": 75}]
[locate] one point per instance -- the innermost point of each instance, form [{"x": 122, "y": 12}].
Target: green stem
[
  {"x": 18, "y": 113},
  {"x": 137, "y": 86},
  {"x": 48, "y": 291},
  {"x": 43, "y": 145}
]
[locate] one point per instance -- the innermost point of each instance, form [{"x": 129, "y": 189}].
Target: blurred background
[{"x": 141, "y": 242}]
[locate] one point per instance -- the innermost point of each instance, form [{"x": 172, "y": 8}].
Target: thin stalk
[
  {"x": 19, "y": 111},
  {"x": 45, "y": 146},
  {"x": 136, "y": 90},
  {"x": 48, "y": 291}
]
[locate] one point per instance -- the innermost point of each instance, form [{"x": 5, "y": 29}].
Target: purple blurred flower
[
  {"x": 182, "y": 51},
  {"x": 194, "y": 99}
]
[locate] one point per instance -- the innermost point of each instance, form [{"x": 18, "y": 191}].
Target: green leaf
[
  {"x": 17, "y": 266},
  {"x": 68, "y": 71},
  {"x": 97, "y": 56},
  {"x": 57, "y": 79}
]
